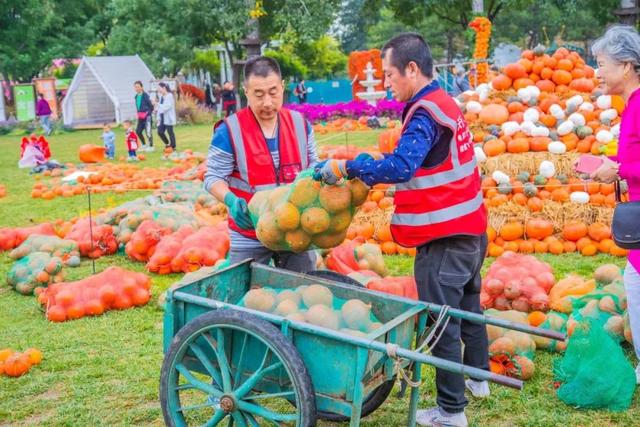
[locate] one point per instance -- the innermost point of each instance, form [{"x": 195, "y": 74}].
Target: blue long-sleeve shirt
[{"x": 416, "y": 141}]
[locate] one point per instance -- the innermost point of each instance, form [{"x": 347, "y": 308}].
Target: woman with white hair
[{"x": 618, "y": 55}]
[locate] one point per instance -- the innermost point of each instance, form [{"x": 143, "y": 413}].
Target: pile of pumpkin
[
  {"x": 16, "y": 364},
  {"x": 116, "y": 177}
]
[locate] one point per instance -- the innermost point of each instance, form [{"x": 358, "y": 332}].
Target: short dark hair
[
  {"x": 129, "y": 122},
  {"x": 261, "y": 66},
  {"x": 138, "y": 82},
  {"x": 408, "y": 47}
]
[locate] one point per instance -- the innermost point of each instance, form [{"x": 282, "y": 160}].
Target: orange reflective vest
[
  {"x": 445, "y": 199},
  {"x": 255, "y": 169}
]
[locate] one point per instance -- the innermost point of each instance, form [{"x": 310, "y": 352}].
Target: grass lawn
[{"x": 105, "y": 370}]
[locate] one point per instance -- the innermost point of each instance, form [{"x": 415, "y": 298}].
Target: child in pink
[{"x": 132, "y": 141}]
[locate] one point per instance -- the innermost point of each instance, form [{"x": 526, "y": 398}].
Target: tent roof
[{"x": 117, "y": 73}]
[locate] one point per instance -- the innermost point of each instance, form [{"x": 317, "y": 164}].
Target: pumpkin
[
  {"x": 501, "y": 82},
  {"x": 539, "y": 228},
  {"x": 574, "y": 230},
  {"x": 582, "y": 85},
  {"x": 561, "y": 77},
  {"x": 500, "y": 177},
  {"x": 598, "y": 231},
  {"x": 494, "y": 147},
  {"x": 494, "y": 114},
  {"x": 16, "y": 365},
  {"x": 518, "y": 145},
  {"x": 557, "y": 147},
  {"x": 512, "y": 230},
  {"x": 530, "y": 189},
  {"x": 539, "y": 143},
  {"x": 522, "y": 83},
  {"x": 514, "y": 71},
  {"x": 35, "y": 355},
  {"x": 546, "y": 85},
  {"x": 523, "y": 177}
]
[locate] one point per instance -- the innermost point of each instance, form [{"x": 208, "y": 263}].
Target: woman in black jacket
[{"x": 144, "y": 107}]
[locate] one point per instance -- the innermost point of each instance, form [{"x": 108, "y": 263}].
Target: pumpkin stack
[{"x": 16, "y": 364}]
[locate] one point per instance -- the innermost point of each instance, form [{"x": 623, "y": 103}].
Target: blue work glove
[
  {"x": 330, "y": 171},
  {"x": 238, "y": 210}
]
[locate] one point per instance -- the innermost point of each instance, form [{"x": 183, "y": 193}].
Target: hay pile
[
  {"x": 558, "y": 213},
  {"x": 513, "y": 164}
]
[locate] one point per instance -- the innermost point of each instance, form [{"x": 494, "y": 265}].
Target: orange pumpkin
[
  {"x": 522, "y": 83},
  {"x": 494, "y": 250},
  {"x": 574, "y": 230},
  {"x": 582, "y": 85},
  {"x": 389, "y": 248},
  {"x": 535, "y": 204},
  {"x": 541, "y": 247},
  {"x": 515, "y": 71},
  {"x": 546, "y": 85},
  {"x": 16, "y": 365},
  {"x": 589, "y": 250},
  {"x": 556, "y": 248},
  {"x": 494, "y": 114},
  {"x": 518, "y": 145},
  {"x": 501, "y": 82},
  {"x": 525, "y": 247},
  {"x": 561, "y": 77},
  {"x": 540, "y": 143},
  {"x": 582, "y": 242},
  {"x": 568, "y": 246},
  {"x": 512, "y": 230},
  {"x": 491, "y": 233},
  {"x": 598, "y": 231},
  {"x": 539, "y": 228},
  {"x": 494, "y": 147}
]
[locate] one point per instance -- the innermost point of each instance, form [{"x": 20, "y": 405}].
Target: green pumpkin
[
  {"x": 523, "y": 177},
  {"x": 530, "y": 190},
  {"x": 540, "y": 180},
  {"x": 584, "y": 131},
  {"x": 504, "y": 188},
  {"x": 488, "y": 138},
  {"x": 563, "y": 178}
]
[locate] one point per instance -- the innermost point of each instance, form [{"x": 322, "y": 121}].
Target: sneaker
[
  {"x": 478, "y": 389},
  {"x": 150, "y": 149},
  {"x": 438, "y": 417},
  {"x": 638, "y": 374}
]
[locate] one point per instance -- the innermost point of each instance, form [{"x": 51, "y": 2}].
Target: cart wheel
[
  {"x": 232, "y": 365},
  {"x": 336, "y": 277},
  {"x": 372, "y": 402}
]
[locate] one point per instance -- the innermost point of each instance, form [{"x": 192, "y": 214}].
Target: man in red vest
[
  {"x": 259, "y": 148},
  {"x": 438, "y": 209}
]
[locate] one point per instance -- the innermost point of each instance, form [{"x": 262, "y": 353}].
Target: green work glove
[{"x": 238, "y": 210}]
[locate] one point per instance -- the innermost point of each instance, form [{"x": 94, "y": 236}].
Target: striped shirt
[{"x": 221, "y": 163}]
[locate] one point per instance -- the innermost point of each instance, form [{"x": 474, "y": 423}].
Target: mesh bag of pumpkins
[
  {"x": 306, "y": 214},
  {"x": 94, "y": 241},
  {"x": 33, "y": 270},
  {"x": 519, "y": 282},
  {"x": 510, "y": 352},
  {"x": 314, "y": 304},
  {"x": 112, "y": 289},
  {"x": 13, "y": 237},
  {"x": 65, "y": 249}
]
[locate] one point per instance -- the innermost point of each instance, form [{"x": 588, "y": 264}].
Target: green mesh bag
[
  {"x": 603, "y": 308},
  {"x": 594, "y": 371},
  {"x": 306, "y": 214}
]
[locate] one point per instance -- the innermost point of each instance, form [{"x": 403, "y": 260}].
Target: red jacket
[
  {"x": 444, "y": 199},
  {"x": 255, "y": 170},
  {"x": 132, "y": 140}
]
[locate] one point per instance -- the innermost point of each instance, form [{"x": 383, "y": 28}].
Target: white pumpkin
[
  {"x": 534, "y": 91},
  {"x": 586, "y": 106},
  {"x": 481, "y": 157},
  {"x": 483, "y": 96},
  {"x": 578, "y": 119},
  {"x": 608, "y": 115},
  {"x": 484, "y": 87},
  {"x": 604, "y": 102},
  {"x": 547, "y": 169},
  {"x": 579, "y": 197},
  {"x": 575, "y": 101},
  {"x": 557, "y": 147},
  {"x": 540, "y": 131},
  {"x": 524, "y": 94},
  {"x": 474, "y": 107},
  {"x": 510, "y": 128},
  {"x": 565, "y": 128},
  {"x": 615, "y": 130},
  {"x": 500, "y": 177},
  {"x": 556, "y": 111},
  {"x": 527, "y": 127},
  {"x": 531, "y": 115},
  {"x": 604, "y": 136}
]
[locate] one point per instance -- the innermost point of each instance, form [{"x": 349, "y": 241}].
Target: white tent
[{"x": 102, "y": 90}]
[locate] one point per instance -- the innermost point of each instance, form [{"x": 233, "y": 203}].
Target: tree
[
  {"x": 353, "y": 23},
  {"x": 324, "y": 58},
  {"x": 34, "y": 32}
]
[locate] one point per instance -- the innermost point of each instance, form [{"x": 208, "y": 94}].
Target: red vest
[
  {"x": 445, "y": 199},
  {"x": 255, "y": 170}
]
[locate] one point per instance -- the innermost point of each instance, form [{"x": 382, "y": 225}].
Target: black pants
[
  {"x": 141, "y": 129},
  {"x": 447, "y": 272},
  {"x": 171, "y": 142}
]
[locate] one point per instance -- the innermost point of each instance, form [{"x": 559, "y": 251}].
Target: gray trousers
[
  {"x": 447, "y": 272},
  {"x": 301, "y": 263}
]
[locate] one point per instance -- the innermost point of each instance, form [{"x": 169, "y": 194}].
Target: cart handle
[{"x": 495, "y": 321}]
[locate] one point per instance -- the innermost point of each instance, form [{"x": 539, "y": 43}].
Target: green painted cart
[{"x": 228, "y": 364}]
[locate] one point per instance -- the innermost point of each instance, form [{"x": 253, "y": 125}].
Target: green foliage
[
  {"x": 207, "y": 60},
  {"x": 291, "y": 66},
  {"x": 66, "y": 72},
  {"x": 324, "y": 58}
]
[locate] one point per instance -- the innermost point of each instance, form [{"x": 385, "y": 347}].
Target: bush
[{"x": 189, "y": 111}]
